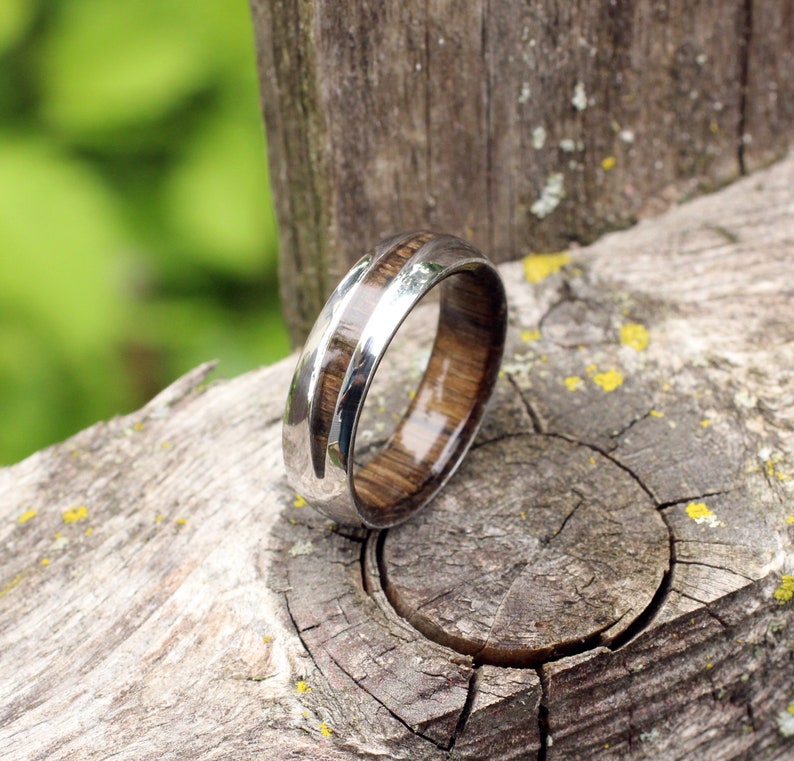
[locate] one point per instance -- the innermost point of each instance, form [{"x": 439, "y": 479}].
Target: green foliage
[{"x": 137, "y": 236}]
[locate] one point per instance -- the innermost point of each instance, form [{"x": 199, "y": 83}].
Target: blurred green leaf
[
  {"x": 218, "y": 200},
  {"x": 41, "y": 400},
  {"x": 136, "y": 230},
  {"x": 15, "y": 19},
  {"x": 191, "y": 331},
  {"x": 106, "y": 65},
  {"x": 60, "y": 237}
]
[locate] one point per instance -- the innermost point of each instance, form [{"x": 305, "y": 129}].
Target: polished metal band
[{"x": 341, "y": 356}]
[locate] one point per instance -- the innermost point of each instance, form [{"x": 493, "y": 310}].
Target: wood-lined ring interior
[{"x": 440, "y": 421}]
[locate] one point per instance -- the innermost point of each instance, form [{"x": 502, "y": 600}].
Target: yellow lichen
[
  {"x": 609, "y": 381},
  {"x": 299, "y": 501},
  {"x": 303, "y": 687},
  {"x": 790, "y": 519},
  {"x": 634, "y": 335},
  {"x": 138, "y": 426},
  {"x": 89, "y": 531},
  {"x": 591, "y": 460},
  {"x": 9, "y": 585},
  {"x": 45, "y": 561},
  {"x": 530, "y": 335},
  {"x": 699, "y": 513},
  {"x": 181, "y": 521},
  {"x": 325, "y": 730},
  {"x": 158, "y": 518},
  {"x": 698, "y": 510},
  {"x": 27, "y": 515},
  {"x": 267, "y": 639},
  {"x": 705, "y": 423},
  {"x": 774, "y": 472},
  {"x": 785, "y": 591},
  {"x": 656, "y": 413},
  {"x": 608, "y": 163},
  {"x": 591, "y": 370},
  {"x": 75, "y": 514},
  {"x": 538, "y": 267},
  {"x": 573, "y": 382}
]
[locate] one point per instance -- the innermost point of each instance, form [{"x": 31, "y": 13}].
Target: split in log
[{"x": 610, "y": 573}]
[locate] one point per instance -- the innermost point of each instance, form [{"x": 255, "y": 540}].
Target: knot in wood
[{"x": 546, "y": 548}]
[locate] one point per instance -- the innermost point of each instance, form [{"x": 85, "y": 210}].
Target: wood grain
[
  {"x": 519, "y": 126},
  {"x": 191, "y": 607},
  {"x": 565, "y": 553}
]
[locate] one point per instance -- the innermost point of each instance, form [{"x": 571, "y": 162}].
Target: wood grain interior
[
  {"x": 385, "y": 267},
  {"x": 449, "y": 402}
]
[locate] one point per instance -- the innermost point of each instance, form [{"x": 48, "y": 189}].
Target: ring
[{"x": 341, "y": 356}]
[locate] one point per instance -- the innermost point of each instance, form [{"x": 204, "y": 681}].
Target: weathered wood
[
  {"x": 164, "y": 593},
  {"x": 556, "y": 548},
  {"x": 520, "y": 126}
]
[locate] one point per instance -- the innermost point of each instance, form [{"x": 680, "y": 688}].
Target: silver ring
[{"x": 341, "y": 356}]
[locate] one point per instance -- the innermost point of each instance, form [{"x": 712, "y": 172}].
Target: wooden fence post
[{"x": 524, "y": 127}]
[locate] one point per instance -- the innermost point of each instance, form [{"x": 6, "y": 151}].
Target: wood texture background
[
  {"x": 164, "y": 594},
  {"x": 463, "y": 116}
]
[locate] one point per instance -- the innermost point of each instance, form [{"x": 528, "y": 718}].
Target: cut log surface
[{"x": 609, "y": 574}]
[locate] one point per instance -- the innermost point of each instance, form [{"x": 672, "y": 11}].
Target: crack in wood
[
  {"x": 309, "y": 651},
  {"x": 566, "y": 519},
  {"x": 623, "y": 431},
  {"x": 745, "y": 40},
  {"x": 467, "y": 708},
  {"x": 543, "y": 714},
  {"x": 693, "y": 498},
  {"x": 609, "y": 456},
  {"x": 490, "y": 209},
  {"x": 750, "y": 715},
  {"x": 402, "y": 721},
  {"x": 299, "y": 633},
  {"x": 505, "y": 596},
  {"x": 357, "y": 538},
  {"x": 534, "y": 417},
  {"x": 715, "y": 567},
  {"x": 362, "y": 559},
  {"x": 658, "y": 600},
  {"x": 708, "y": 608}
]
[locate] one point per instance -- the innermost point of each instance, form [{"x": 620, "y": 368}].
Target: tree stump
[{"x": 610, "y": 573}]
